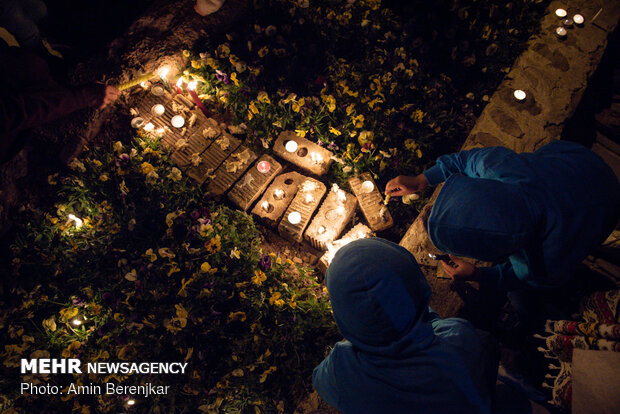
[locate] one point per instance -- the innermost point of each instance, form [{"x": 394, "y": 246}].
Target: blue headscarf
[{"x": 398, "y": 356}]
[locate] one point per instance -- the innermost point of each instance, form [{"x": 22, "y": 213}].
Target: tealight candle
[
  {"x": 367, "y": 187},
  {"x": 291, "y": 146},
  {"x": 309, "y": 198},
  {"x": 560, "y": 13},
  {"x": 316, "y": 158},
  {"x": 263, "y": 167},
  {"x": 278, "y": 194},
  {"x": 137, "y": 122},
  {"x": 567, "y": 22},
  {"x": 340, "y": 210},
  {"x": 265, "y": 205},
  {"x": 519, "y": 95},
  {"x": 131, "y": 401},
  {"x": 158, "y": 110},
  {"x": 149, "y": 127},
  {"x": 294, "y": 218},
  {"x": 177, "y": 121},
  {"x": 578, "y": 19},
  {"x": 78, "y": 221},
  {"x": 321, "y": 229},
  {"x": 561, "y": 32},
  {"x": 157, "y": 90}
]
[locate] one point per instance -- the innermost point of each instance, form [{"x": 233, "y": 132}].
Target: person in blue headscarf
[
  {"x": 536, "y": 214},
  {"x": 399, "y": 356}
]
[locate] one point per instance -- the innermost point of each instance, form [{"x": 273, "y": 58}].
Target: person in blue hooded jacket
[
  {"x": 398, "y": 355},
  {"x": 537, "y": 215}
]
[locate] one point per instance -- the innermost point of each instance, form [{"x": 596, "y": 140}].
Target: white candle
[
  {"x": 278, "y": 194},
  {"x": 578, "y": 19},
  {"x": 131, "y": 401},
  {"x": 294, "y": 218},
  {"x": 560, "y": 13},
  {"x": 561, "y": 32},
  {"x": 309, "y": 198},
  {"x": 149, "y": 127},
  {"x": 263, "y": 167},
  {"x": 367, "y": 187},
  {"x": 291, "y": 146},
  {"x": 158, "y": 110},
  {"x": 519, "y": 95},
  {"x": 340, "y": 210},
  {"x": 321, "y": 229},
  {"x": 265, "y": 205},
  {"x": 177, "y": 121},
  {"x": 137, "y": 122},
  {"x": 316, "y": 158},
  {"x": 157, "y": 90}
]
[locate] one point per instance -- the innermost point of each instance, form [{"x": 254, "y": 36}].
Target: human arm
[
  {"x": 28, "y": 109},
  {"x": 403, "y": 185},
  {"x": 503, "y": 274},
  {"x": 324, "y": 381}
]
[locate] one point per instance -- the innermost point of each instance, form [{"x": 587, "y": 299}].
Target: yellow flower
[
  {"x": 186, "y": 53},
  {"x": 263, "y": 97},
  {"x": 259, "y": 277},
  {"x": 252, "y": 107},
  {"x": 263, "y": 376},
  {"x": 297, "y": 105},
  {"x": 237, "y": 316},
  {"x": 358, "y": 121},
  {"x": 292, "y": 302},
  {"x": 365, "y": 137},
  {"x": 301, "y": 132},
  {"x": 275, "y": 299},
  {"x": 69, "y": 351},
  {"x": 103, "y": 177},
  {"x": 68, "y": 313},
  {"x": 212, "y": 63},
  {"x": 50, "y": 324},
  {"x": 334, "y": 131},
  {"x": 118, "y": 146},
  {"x": 417, "y": 116},
  {"x": 235, "y": 253},
  {"x": 418, "y": 152},
  {"x": 263, "y": 51},
  {"x": 150, "y": 255},
  {"x": 147, "y": 168},
  {"x": 233, "y": 77},
  {"x": 410, "y": 144},
  {"x": 214, "y": 244},
  {"x": 175, "y": 174},
  {"x": 291, "y": 97},
  {"x": 195, "y": 64},
  {"x": 330, "y": 101}
]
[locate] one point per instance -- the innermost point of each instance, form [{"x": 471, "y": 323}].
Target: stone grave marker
[
  {"x": 231, "y": 169},
  {"x": 334, "y": 214},
  {"x": 278, "y": 197},
  {"x": 224, "y": 145},
  {"x": 299, "y": 212},
  {"x": 359, "y": 231},
  {"x": 303, "y": 153},
  {"x": 371, "y": 202},
  {"x": 253, "y": 183}
]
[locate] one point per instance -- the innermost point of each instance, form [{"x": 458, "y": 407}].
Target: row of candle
[{"x": 577, "y": 19}]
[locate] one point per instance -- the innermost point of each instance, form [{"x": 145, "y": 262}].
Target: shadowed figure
[{"x": 399, "y": 356}]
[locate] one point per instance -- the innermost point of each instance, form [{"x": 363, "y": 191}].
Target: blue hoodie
[
  {"x": 538, "y": 214},
  {"x": 398, "y": 356}
]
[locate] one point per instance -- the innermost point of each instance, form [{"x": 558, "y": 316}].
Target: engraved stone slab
[
  {"x": 213, "y": 156},
  {"x": 191, "y": 148},
  {"x": 334, "y": 214},
  {"x": 231, "y": 169},
  {"x": 359, "y": 231},
  {"x": 253, "y": 183},
  {"x": 278, "y": 197},
  {"x": 306, "y": 155},
  {"x": 371, "y": 202},
  {"x": 304, "y": 204}
]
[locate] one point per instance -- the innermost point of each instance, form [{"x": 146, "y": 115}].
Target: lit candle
[
  {"x": 291, "y": 146},
  {"x": 578, "y": 19},
  {"x": 519, "y": 95},
  {"x": 179, "y": 86},
  {"x": 309, "y": 199},
  {"x": 367, "y": 187},
  {"x": 560, "y": 13},
  {"x": 561, "y": 32},
  {"x": 163, "y": 73},
  {"x": 316, "y": 158},
  {"x": 191, "y": 87},
  {"x": 137, "y": 122},
  {"x": 265, "y": 205},
  {"x": 157, "y": 90},
  {"x": 131, "y": 402},
  {"x": 278, "y": 194},
  {"x": 78, "y": 221},
  {"x": 340, "y": 210},
  {"x": 160, "y": 132},
  {"x": 294, "y": 218},
  {"x": 567, "y": 22},
  {"x": 321, "y": 229},
  {"x": 177, "y": 121},
  {"x": 263, "y": 167},
  {"x": 149, "y": 127},
  {"x": 158, "y": 110}
]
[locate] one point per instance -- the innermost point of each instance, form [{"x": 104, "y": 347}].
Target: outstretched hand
[
  {"x": 403, "y": 185},
  {"x": 462, "y": 270},
  {"x": 111, "y": 94}
]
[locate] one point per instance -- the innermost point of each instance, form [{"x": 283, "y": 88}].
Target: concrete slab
[
  {"x": 250, "y": 187},
  {"x": 305, "y": 154}
]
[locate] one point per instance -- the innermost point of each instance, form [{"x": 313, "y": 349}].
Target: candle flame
[
  {"x": 180, "y": 82},
  {"x": 163, "y": 71},
  {"x": 78, "y": 221},
  {"x": 192, "y": 85}
]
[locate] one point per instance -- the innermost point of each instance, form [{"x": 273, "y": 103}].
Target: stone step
[
  {"x": 333, "y": 216},
  {"x": 359, "y": 231},
  {"x": 194, "y": 146},
  {"x": 278, "y": 196},
  {"x": 231, "y": 170},
  {"x": 253, "y": 183},
  {"x": 371, "y": 202},
  {"x": 213, "y": 157},
  {"x": 306, "y": 155},
  {"x": 303, "y": 206}
]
